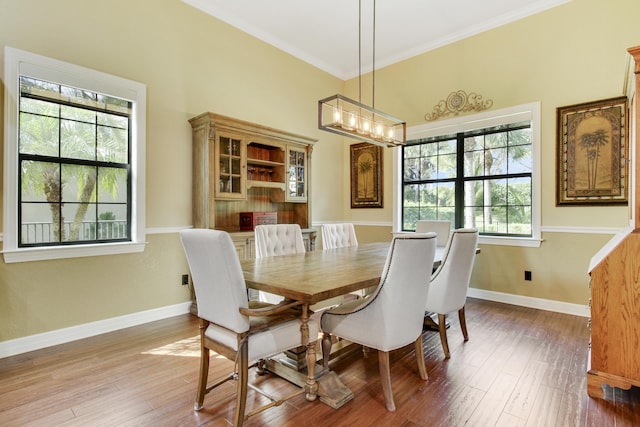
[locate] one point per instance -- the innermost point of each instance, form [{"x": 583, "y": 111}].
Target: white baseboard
[
  {"x": 73, "y": 333},
  {"x": 531, "y": 302}
]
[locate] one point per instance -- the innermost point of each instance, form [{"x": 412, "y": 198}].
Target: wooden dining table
[{"x": 310, "y": 278}]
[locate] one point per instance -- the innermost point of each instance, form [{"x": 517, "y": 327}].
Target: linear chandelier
[{"x": 344, "y": 116}]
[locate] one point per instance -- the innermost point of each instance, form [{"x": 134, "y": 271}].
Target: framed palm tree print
[
  {"x": 592, "y": 153},
  {"x": 366, "y": 176}
]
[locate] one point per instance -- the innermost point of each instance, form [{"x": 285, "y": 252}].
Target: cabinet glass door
[
  {"x": 230, "y": 167},
  {"x": 297, "y": 175}
]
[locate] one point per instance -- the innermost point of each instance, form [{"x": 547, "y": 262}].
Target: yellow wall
[
  {"x": 193, "y": 63},
  {"x": 570, "y": 54}
]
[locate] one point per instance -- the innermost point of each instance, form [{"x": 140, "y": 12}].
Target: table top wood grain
[{"x": 318, "y": 275}]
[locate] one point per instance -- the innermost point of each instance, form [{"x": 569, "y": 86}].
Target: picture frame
[
  {"x": 592, "y": 153},
  {"x": 366, "y": 176}
]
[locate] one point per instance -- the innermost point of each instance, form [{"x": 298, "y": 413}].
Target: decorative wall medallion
[{"x": 458, "y": 102}]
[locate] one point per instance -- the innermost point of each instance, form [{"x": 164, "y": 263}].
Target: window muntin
[
  {"x": 74, "y": 165},
  {"x": 480, "y": 178},
  {"x": 109, "y": 107}
]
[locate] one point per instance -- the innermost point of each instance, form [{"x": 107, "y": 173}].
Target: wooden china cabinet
[
  {"x": 614, "y": 356},
  {"x": 240, "y": 166}
]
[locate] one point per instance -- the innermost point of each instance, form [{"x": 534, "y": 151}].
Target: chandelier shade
[{"x": 344, "y": 116}]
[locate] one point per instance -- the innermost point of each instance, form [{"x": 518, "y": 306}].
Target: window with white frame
[
  {"x": 74, "y": 160},
  {"x": 479, "y": 171}
]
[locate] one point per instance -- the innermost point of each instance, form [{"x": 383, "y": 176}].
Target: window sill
[
  {"x": 529, "y": 242},
  {"x": 41, "y": 254}
]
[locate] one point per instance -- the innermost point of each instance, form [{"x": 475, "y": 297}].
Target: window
[
  {"x": 74, "y": 150},
  {"x": 478, "y": 171}
]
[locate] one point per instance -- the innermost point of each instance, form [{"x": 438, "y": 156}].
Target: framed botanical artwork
[
  {"x": 366, "y": 176},
  {"x": 592, "y": 153}
]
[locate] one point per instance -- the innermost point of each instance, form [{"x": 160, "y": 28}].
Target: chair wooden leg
[
  {"x": 261, "y": 367},
  {"x": 442, "y": 327},
  {"x": 202, "y": 380},
  {"x": 365, "y": 351},
  {"x": 204, "y": 370},
  {"x": 385, "y": 377},
  {"x": 420, "y": 358},
  {"x": 463, "y": 324},
  {"x": 241, "y": 393},
  {"x": 326, "y": 349}
]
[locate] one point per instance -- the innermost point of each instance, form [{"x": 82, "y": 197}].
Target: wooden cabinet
[
  {"x": 615, "y": 314},
  {"x": 240, "y": 166},
  {"x": 614, "y": 271}
]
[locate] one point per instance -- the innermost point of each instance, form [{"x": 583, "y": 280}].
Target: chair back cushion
[
  {"x": 392, "y": 316},
  {"x": 217, "y": 277},
  {"x": 442, "y": 228},
  {"x": 450, "y": 282},
  {"x": 338, "y": 236},
  {"x": 278, "y": 239}
]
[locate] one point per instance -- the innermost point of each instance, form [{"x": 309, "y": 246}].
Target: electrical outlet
[
  {"x": 527, "y": 275},
  {"x": 185, "y": 279}
]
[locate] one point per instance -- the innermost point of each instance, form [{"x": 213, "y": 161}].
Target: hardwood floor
[{"x": 521, "y": 367}]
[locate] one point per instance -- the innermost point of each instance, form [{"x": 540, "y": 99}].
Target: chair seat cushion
[{"x": 267, "y": 340}]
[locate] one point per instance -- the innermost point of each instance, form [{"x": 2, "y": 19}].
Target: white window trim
[
  {"x": 17, "y": 63},
  {"x": 479, "y": 121}
]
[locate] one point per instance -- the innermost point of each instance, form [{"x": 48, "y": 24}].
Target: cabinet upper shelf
[
  {"x": 265, "y": 184},
  {"x": 259, "y": 162}
]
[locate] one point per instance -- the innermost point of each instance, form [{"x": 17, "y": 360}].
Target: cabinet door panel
[
  {"x": 297, "y": 175},
  {"x": 230, "y": 165}
]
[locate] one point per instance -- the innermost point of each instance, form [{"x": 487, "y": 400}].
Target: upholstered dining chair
[
  {"x": 392, "y": 316},
  {"x": 230, "y": 325},
  {"x": 442, "y": 228},
  {"x": 450, "y": 282},
  {"x": 275, "y": 240},
  {"x": 278, "y": 239},
  {"x": 338, "y": 235},
  {"x": 341, "y": 235}
]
